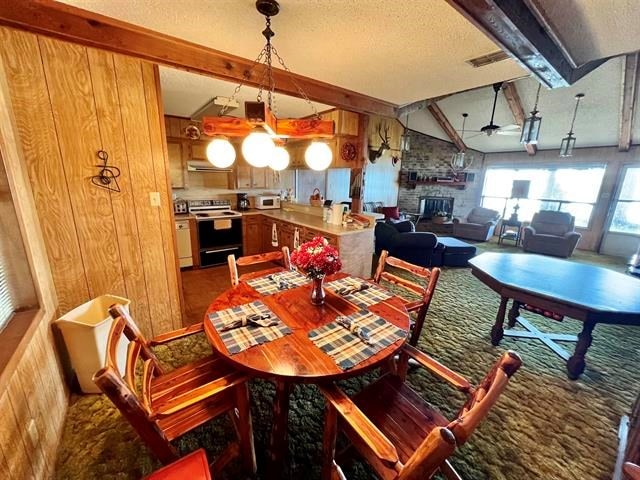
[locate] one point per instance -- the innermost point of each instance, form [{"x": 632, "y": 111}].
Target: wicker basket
[
  {"x": 316, "y": 199},
  {"x": 439, "y": 219}
]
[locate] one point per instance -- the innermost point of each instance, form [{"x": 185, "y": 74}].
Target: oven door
[
  {"x": 219, "y": 238},
  {"x": 218, "y": 256}
]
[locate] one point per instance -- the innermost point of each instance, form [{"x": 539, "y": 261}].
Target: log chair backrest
[
  {"x": 425, "y": 289},
  {"x": 484, "y": 397},
  {"x": 429, "y": 456},
  {"x": 282, "y": 257}
]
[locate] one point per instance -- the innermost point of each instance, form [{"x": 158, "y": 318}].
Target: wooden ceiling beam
[
  {"x": 445, "y": 124},
  {"x": 514, "y": 27},
  {"x": 630, "y": 74},
  {"x": 515, "y": 105},
  {"x": 65, "y": 22}
]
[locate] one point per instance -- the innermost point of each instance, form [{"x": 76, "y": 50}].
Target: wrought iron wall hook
[{"x": 108, "y": 175}]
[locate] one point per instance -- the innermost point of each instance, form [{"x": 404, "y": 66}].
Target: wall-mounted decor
[{"x": 108, "y": 175}]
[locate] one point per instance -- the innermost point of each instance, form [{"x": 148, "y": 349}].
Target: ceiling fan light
[
  {"x": 258, "y": 149},
  {"x": 221, "y": 153},
  {"x": 566, "y": 147},
  {"x": 318, "y": 156},
  {"x": 531, "y": 130},
  {"x": 280, "y": 159}
]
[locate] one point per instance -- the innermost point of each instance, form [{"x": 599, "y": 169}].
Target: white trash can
[{"x": 85, "y": 330}]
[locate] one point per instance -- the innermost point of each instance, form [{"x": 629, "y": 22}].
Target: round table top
[{"x": 295, "y": 357}]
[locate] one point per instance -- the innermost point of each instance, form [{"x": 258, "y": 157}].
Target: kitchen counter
[{"x": 309, "y": 221}]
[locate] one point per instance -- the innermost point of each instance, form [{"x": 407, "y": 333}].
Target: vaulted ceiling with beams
[{"x": 597, "y": 123}]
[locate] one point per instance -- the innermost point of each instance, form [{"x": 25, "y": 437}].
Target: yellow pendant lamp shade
[
  {"x": 318, "y": 156},
  {"x": 221, "y": 153},
  {"x": 258, "y": 149},
  {"x": 280, "y": 159}
]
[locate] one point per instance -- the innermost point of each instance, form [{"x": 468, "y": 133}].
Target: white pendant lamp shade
[
  {"x": 318, "y": 156},
  {"x": 280, "y": 159},
  {"x": 258, "y": 149},
  {"x": 221, "y": 153}
]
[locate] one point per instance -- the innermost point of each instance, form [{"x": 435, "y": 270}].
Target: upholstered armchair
[
  {"x": 402, "y": 241},
  {"x": 480, "y": 224},
  {"x": 551, "y": 233}
]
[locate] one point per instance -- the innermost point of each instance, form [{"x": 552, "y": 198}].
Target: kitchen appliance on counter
[
  {"x": 180, "y": 206},
  {"x": 243, "y": 202},
  {"x": 219, "y": 230},
  {"x": 265, "y": 202}
]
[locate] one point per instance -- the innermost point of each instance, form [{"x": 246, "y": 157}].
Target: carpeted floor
[{"x": 544, "y": 427}]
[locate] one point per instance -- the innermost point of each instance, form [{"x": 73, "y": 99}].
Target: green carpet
[{"x": 544, "y": 427}]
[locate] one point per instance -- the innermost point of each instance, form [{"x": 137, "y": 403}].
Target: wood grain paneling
[
  {"x": 29, "y": 96},
  {"x": 155, "y": 120},
  {"x": 134, "y": 119},
  {"x": 112, "y": 134},
  {"x": 67, "y": 70},
  {"x": 18, "y": 461}
]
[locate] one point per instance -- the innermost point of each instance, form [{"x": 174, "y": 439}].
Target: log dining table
[{"x": 294, "y": 358}]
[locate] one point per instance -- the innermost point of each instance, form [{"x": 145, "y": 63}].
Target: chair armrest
[
  {"x": 632, "y": 471},
  {"x": 175, "y": 404},
  {"x": 456, "y": 221},
  {"x": 572, "y": 235},
  {"x": 439, "y": 370},
  {"x": 529, "y": 230},
  {"x": 176, "y": 334},
  {"x": 358, "y": 421},
  {"x": 490, "y": 223}
]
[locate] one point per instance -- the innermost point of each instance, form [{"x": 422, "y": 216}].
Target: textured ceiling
[
  {"x": 596, "y": 124},
  {"x": 183, "y": 93},
  {"x": 400, "y": 51},
  {"x": 592, "y": 29}
]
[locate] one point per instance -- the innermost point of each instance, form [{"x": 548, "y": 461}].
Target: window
[
  {"x": 573, "y": 189},
  {"x": 626, "y": 216},
  {"x": 6, "y": 302}
]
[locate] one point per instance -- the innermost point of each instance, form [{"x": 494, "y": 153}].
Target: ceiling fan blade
[
  {"x": 476, "y": 135},
  {"x": 513, "y": 126},
  {"x": 514, "y": 133}
]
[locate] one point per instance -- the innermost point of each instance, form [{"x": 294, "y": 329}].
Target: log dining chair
[
  {"x": 399, "y": 434},
  {"x": 632, "y": 471},
  {"x": 282, "y": 257},
  {"x": 425, "y": 289},
  {"x": 162, "y": 406}
]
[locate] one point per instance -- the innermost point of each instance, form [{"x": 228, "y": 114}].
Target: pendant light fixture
[
  {"x": 280, "y": 158},
  {"x": 261, "y": 125},
  {"x": 405, "y": 141},
  {"x": 458, "y": 159},
  {"x": 221, "y": 153},
  {"x": 531, "y": 126},
  {"x": 568, "y": 142}
]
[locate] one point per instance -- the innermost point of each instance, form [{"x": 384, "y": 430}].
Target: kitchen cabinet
[
  {"x": 252, "y": 234},
  {"x": 176, "y": 163},
  {"x": 198, "y": 150},
  {"x": 248, "y": 177}
]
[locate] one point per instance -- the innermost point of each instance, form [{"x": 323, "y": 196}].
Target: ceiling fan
[{"x": 491, "y": 128}]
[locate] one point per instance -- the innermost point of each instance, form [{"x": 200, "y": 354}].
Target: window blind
[{"x": 6, "y": 301}]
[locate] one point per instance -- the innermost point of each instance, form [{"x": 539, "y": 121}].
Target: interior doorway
[{"x": 622, "y": 235}]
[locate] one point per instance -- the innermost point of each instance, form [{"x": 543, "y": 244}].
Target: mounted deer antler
[{"x": 375, "y": 154}]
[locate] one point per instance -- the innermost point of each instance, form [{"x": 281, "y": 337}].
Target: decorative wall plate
[{"x": 348, "y": 151}]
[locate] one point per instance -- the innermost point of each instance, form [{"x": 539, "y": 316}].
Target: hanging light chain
[
  {"x": 535, "y": 105},
  {"x": 246, "y": 76},
  {"x": 575, "y": 111},
  {"x": 298, "y": 87}
]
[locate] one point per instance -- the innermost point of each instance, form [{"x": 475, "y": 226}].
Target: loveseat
[{"x": 402, "y": 241}]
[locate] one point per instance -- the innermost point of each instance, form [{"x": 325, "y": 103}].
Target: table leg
[
  {"x": 278, "y": 447},
  {"x": 514, "y": 313},
  {"x": 576, "y": 364},
  {"x": 497, "y": 331}
]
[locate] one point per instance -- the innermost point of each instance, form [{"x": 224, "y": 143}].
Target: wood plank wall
[
  {"x": 71, "y": 101},
  {"x": 33, "y": 396}
]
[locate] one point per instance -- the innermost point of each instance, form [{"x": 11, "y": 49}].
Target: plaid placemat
[
  {"x": 346, "y": 349},
  {"x": 241, "y": 338},
  {"x": 270, "y": 284},
  {"x": 372, "y": 295}
]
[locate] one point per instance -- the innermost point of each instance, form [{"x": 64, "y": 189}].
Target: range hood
[{"x": 204, "y": 166}]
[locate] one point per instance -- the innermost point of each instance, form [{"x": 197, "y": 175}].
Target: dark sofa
[{"x": 402, "y": 241}]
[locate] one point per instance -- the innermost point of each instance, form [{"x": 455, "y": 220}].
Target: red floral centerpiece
[{"x": 317, "y": 259}]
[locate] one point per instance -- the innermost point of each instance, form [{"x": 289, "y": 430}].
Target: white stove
[{"x": 212, "y": 209}]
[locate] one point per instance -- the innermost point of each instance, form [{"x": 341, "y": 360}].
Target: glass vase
[{"x": 317, "y": 291}]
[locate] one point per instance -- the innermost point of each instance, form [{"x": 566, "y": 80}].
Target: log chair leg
[
  {"x": 278, "y": 447},
  {"x": 244, "y": 428},
  {"x": 576, "y": 364},
  {"x": 497, "y": 331},
  {"x": 329, "y": 441},
  {"x": 514, "y": 313}
]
